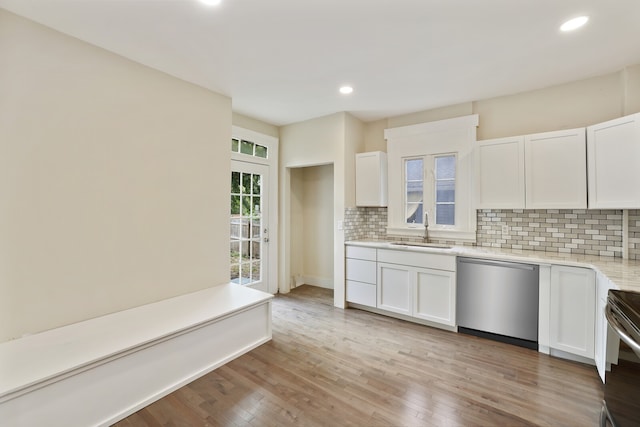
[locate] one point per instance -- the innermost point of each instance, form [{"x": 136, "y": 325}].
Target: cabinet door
[
  {"x": 371, "y": 179},
  {"x": 500, "y": 173},
  {"x": 613, "y": 152},
  {"x": 395, "y": 288},
  {"x": 556, "y": 170},
  {"x": 572, "y": 310},
  {"x": 435, "y": 296}
]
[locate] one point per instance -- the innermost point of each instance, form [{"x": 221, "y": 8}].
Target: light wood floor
[{"x": 331, "y": 367}]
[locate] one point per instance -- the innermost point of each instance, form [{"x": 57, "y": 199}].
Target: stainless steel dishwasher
[{"x": 498, "y": 300}]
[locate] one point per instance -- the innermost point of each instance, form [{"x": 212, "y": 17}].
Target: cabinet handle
[{"x": 493, "y": 263}]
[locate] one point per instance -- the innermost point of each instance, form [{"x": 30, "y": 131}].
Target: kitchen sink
[{"x": 422, "y": 245}]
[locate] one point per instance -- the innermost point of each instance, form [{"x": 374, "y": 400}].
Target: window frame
[
  {"x": 435, "y": 187},
  {"x": 429, "y": 141},
  {"x": 405, "y": 189},
  {"x": 429, "y": 190}
]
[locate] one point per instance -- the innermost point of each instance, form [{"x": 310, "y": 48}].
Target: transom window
[{"x": 243, "y": 146}]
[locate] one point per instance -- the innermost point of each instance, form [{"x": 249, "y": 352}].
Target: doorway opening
[{"x": 312, "y": 218}]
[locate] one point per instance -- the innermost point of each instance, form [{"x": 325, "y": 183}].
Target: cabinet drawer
[
  {"x": 361, "y": 293},
  {"x": 416, "y": 259},
  {"x": 360, "y": 252},
  {"x": 361, "y": 270}
]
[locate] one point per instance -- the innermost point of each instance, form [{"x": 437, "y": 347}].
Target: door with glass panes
[{"x": 249, "y": 222}]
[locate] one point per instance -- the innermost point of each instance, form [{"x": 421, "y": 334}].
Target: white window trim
[
  {"x": 442, "y": 137},
  {"x": 258, "y": 138}
]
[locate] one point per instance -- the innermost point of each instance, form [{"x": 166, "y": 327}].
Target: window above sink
[{"x": 429, "y": 174}]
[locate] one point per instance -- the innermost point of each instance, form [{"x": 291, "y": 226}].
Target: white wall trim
[
  {"x": 321, "y": 282},
  {"x": 432, "y": 127}
]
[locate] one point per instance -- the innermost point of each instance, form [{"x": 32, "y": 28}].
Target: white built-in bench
[{"x": 101, "y": 370}]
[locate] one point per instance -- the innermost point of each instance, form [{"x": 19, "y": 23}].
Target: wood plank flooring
[{"x": 331, "y": 367}]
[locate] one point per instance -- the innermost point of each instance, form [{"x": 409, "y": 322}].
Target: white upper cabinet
[
  {"x": 371, "y": 179},
  {"x": 500, "y": 173},
  {"x": 539, "y": 171},
  {"x": 613, "y": 150},
  {"x": 556, "y": 170}
]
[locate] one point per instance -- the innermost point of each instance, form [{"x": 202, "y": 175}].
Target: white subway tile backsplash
[
  {"x": 553, "y": 230},
  {"x": 634, "y": 234},
  {"x": 579, "y": 231}
]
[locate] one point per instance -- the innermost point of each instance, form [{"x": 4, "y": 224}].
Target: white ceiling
[{"x": 282, "y": 61}]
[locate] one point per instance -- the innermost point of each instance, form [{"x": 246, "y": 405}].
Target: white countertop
[{"x": 624, "y": 274}]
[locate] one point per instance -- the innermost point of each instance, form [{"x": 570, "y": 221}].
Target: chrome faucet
[{"x": 425, "y": 238}]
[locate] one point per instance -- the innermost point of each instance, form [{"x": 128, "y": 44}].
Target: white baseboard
[
  {"x": 321, "y": 282},
  {"x": 564, "y": 355}
]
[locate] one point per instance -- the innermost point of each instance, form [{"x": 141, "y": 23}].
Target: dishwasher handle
[{"x": 507, "y": 264}]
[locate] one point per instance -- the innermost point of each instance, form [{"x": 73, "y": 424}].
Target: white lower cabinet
[
  {"x": 416, "y": 290},
  {"x": 395, "y": 288},
  {"x": 607, "y": 341},
  {"x": 361, "y": 275},
  {"x": 435, "y": 296},
  {"x": 361, "y": 293},
  {"x": 572, "y": 310}
]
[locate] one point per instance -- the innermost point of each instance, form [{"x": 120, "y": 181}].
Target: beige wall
[
  {"x": 631, "y": 81},
  {"x": 112, "y": 181},
  {"x": 312, "y": 142},
  {"x": 309, "y": 143},
  {"x": 255, "y": 125},
  {"x": 353, "y": 143},
  {"x": 457, "y": 110},
  {"x": 574, "y": 104},
  {"x": 311, "y": 225},
  {"x": 567, "y": 106},
  {"x": 325, "y": 140},
  {"x": 296, "y": 223},
  {"x": 374, "y": 135},
  {"x": 317, "y": 232}
]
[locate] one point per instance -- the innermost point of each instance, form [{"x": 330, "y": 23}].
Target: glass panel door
[{"x": 249, "y": 232}]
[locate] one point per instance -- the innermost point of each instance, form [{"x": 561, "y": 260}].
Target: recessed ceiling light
[
  {"x": 211, "y": 2},
  {"x": 574, "y": 24},
  {"x": 346, "y": 90}
]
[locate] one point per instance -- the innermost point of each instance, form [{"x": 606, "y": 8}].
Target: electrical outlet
[{"x": 505, "y": 230}]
